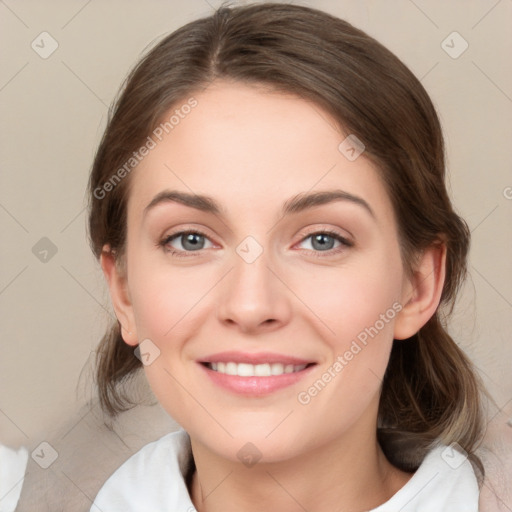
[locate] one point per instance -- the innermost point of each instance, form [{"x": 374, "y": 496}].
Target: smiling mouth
[{"x": 255, "y": 370}]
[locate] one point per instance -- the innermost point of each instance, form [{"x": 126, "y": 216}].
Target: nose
[{"x": 253, "y": 297}]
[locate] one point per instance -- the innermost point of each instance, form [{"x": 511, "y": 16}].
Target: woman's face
[{"x": 290, "y": 262}]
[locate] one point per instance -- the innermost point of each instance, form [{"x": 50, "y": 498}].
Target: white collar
[{"x": 154, "y": 479}]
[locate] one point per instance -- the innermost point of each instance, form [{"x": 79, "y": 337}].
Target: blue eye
[
  {"x": 187, "y": 241},
  {"x": 324, "y": 241}
]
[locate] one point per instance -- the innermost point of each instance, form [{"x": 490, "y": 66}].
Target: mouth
[{"x": 255, "y": 374}]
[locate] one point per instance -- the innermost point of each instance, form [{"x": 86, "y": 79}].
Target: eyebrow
[{"x": 296, "y": 204}]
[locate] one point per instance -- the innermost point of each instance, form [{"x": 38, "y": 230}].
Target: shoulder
[
  {"x": 137, "y": 484},
  {"x": 444, "y": 482}
]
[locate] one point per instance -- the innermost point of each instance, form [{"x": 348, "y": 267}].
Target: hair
[{"x": 430, "y": 392}]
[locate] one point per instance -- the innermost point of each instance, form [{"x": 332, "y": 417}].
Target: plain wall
[{"x": 53, "y": 113}]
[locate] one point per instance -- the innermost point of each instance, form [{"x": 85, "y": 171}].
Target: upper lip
[{"x": 258, "y": 358}]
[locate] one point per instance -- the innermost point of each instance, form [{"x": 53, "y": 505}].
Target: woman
[{"x": 269, "y": 210}]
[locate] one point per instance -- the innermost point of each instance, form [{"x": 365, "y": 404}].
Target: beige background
[{"x": 54, "y": 111}]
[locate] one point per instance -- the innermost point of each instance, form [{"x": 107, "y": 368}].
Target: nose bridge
[{"x": 253, "y": 296}]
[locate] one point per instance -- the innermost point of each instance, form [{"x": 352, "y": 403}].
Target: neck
[{"x": 341, "y": 475}]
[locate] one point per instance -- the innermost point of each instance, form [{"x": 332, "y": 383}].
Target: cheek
[
  {"x": 163, "y": 297},
  {"x": 351, "y": 377},
  {"x": 352, "y": 300},
  {"x": 358, "y": 306},
  {"x": 166, "y": 305},
  {"x": 170, "y": 305}
]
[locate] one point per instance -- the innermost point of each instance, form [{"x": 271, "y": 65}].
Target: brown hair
[{"x": 430, "y": 392}]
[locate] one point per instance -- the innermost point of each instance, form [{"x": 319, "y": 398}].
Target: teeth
[
  {"x": 231, "y": 368},
  {"x": 255, "y": 370},
  {"x": 245, "y": 370},
  {"x": 276, "y": 369},
  {"x": 262, "y": 370}
]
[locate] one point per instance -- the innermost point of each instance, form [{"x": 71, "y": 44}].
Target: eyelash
[
  {"x": 318, "y": 254},
  {"x": 180, "y": 254},
  {"x": 344, "y": 243}
]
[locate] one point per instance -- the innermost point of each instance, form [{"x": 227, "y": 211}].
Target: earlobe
[
  {"x": 422, "y": 291},
  {"x": 119, "y": 295}
]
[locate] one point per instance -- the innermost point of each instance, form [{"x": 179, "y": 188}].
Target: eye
[
  {"x": 186, "y": 241},
  {"x": 324, "y": 241}
]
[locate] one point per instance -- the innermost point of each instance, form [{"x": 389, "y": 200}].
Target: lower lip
[{"x": 255, "y": 386}]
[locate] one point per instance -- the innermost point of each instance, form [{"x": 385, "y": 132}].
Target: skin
[{"x": 252, "y": 150}]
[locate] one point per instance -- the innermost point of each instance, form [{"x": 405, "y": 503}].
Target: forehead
[{"x": 246, "y": 145}]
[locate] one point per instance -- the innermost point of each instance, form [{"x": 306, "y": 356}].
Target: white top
[
  {"x": 12, "y": 474},
  {"x": 154, "y": 479}
]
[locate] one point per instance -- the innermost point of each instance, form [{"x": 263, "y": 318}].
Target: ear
[
  {"x": 117, "y": 284},
  {"x": 421, "y": 292}
]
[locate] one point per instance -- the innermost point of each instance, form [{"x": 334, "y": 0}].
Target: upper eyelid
[
  {"x": 305, "y": 233},
  {"x": 169, "y": 238},
  {"x": 333, "y": 234},
  {"x": 183, "y": 231}
]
